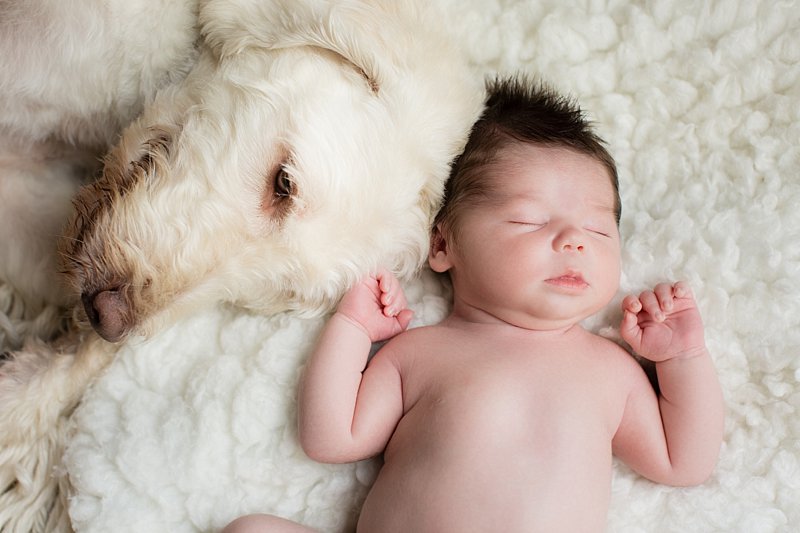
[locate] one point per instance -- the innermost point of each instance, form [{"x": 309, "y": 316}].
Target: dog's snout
[{"x": 107, "y": 311}]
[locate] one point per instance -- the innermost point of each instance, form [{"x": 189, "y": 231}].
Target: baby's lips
[{"x": 570, "y": 278}]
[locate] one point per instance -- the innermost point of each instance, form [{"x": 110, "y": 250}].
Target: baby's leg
[{"x": 264, "y": 523}]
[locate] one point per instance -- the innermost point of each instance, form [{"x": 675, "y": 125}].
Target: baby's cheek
[{"x": 610, "y": 268}]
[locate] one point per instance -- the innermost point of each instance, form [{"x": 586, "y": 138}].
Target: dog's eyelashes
[
  {"x": 284, "y": 186},
  {"x": 279, "y": 193}
]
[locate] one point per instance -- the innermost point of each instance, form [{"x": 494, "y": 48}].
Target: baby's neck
[{"x": 463, "y": 317}]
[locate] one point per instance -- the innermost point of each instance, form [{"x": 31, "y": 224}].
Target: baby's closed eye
[
  {"x": 599, "y": 231},
  {"x": 528, "y": 226}
]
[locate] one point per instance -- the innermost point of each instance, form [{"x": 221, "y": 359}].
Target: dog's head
[{"x": 309, "y": 145}]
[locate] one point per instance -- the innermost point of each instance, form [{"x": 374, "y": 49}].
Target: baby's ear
[{"x": 438, "y": 254}]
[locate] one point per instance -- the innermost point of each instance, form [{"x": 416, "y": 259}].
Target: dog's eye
[{"x": 284, "y": 187}]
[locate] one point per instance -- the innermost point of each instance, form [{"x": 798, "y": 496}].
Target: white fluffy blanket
[{"x": 700, "y": 103}]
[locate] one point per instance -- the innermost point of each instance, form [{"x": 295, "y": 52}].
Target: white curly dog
[{"x": 265, "y": 153}]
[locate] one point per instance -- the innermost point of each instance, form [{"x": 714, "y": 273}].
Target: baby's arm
[
  {"x": 348, "y": 413},
  {"x": 677, "y": 440}
]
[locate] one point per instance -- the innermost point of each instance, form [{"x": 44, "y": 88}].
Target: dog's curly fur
[
  {"x": 73, "y": 74},
  {"x": 284, "y": 148}
]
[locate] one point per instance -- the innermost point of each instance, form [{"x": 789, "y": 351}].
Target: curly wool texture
[{"x": 700, "y": 105}]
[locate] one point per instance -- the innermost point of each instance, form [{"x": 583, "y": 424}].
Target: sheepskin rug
[{"x": 700, "y": 104}]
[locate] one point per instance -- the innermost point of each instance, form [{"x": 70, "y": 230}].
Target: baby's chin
[{"x": 566, "y": 307}]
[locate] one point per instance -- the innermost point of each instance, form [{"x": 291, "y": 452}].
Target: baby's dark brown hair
[{"x": 519, "y": 110}]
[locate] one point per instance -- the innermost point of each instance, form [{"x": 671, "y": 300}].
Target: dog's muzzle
[{"x": 108, "y": 312}]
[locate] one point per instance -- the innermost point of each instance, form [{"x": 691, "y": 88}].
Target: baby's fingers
[
  {"x": 632, "y": 304},
  {"x": 674, "y": 296},
  {"x": 665, "y": 295},
  {"x": 651, "y": 305},
  {"x": 662, "y": 301},
  {"x": 386, "y": 282},
  {"x": 681, "y": 289},
  {"x": 392, "y": 297},
  {"x": 629, "y": 327}
]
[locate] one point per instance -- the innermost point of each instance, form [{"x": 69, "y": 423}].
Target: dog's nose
[{"x": 107, "y": 311}]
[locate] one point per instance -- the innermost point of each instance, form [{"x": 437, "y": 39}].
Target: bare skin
[
  {"x": 505, "y": 416},
  {"x": 479, "y": 448}
]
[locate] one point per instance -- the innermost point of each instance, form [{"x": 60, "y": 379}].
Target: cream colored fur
[
  {"x": 73, "y": 73},
  {"x": 361, "y": 106}
]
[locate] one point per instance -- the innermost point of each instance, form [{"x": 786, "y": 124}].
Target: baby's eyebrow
[
  {"x": 522, "y": 199},
  {"x": 502, "y": 198},
  {"x": 603, "y": 207}
]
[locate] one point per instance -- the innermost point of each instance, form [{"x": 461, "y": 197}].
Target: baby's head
[
  {"x": 519, "y": 111},
  {"x": 531, "y": 211}
]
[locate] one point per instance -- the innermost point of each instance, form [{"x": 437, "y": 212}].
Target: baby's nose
[{"x": 569, "y": 240}]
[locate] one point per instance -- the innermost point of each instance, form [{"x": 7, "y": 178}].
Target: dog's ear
[{"x": 369, "y": 35}]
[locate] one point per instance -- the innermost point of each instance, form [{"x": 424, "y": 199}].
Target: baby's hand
[
  {"x": 378, "y": 305},
  {"x": 663, "y": 323}
]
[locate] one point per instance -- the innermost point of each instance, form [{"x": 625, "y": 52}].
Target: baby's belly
[{"x": 495, "y": 469}]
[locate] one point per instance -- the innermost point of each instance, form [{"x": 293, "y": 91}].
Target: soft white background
[{"x": 700, "y": 104}]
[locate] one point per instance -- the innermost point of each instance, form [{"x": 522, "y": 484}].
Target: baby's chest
[
  {"x": 501, "y": 420},
  {"x": 520, "y": 394}
]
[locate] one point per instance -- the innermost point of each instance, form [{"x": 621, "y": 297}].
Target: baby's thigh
[{"x": 263, "y": 523}]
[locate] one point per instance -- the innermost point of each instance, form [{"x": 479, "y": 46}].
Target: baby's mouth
[{"x": 568, "y": 281}]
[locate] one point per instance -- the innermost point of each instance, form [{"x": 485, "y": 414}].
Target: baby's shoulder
[
  {"x": 615, "y": 356},
  {"x": 419, "y": 337},
  {"x": 422, "y": 342}
]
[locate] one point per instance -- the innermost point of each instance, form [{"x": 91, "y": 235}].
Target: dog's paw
[
  {"x": 32, "y": 436},
  {"x": 40, "y": 386},
  {"x": 21, "y": 382},
  {"x": 18, "y": 368},
  {"x": 43, "y": 382}
]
